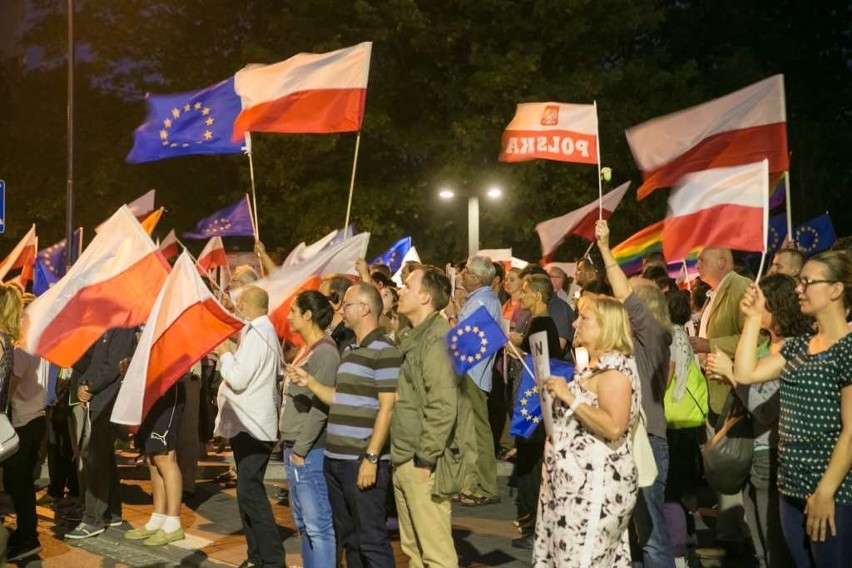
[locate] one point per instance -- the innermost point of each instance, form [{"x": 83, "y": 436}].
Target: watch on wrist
[{"x": 372, "y": 458}]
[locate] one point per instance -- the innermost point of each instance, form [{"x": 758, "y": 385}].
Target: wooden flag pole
[
  {"x": 352, "y": 185},
  {"x": 598, "y": 147},
  {"x": 686, "y": 275},
  {"x": 254, "y": 220}
]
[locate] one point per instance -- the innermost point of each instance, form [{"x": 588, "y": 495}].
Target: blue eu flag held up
[
  {"x": 526, "y": 414},
  {"x": 198, "y": 122},
  {"x": 394, "y": 255},
  {"x": 474, "y": 339},
  {"x": 232, "y": 221}
]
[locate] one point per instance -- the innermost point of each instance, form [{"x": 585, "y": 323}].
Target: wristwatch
[{"x": 372, "y": 458}]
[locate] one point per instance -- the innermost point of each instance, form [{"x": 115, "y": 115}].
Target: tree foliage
[{"x": 444, "y": 81}]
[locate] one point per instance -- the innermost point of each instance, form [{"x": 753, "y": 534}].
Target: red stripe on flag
[
  {"x": 726, "y": 149},
  {"x": 278, "y": 317},
  {"x": 201, "y": 326},
  {"x": 586, "y": 227},
  {"x": 314, "y": 111},
  {"x": 91, "y": 312},
  {"x": 729, "y": 226},
  {"x": 559, "y": 145}
]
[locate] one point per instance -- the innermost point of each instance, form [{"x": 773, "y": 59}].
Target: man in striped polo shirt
[{"x": 357, "y": 451}]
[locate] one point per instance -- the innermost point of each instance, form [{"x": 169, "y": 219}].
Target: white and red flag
[
  {"x": 723, "y": 207},
  {"x": 23, "y": 257},
  {"x": 580, "y": 222},
  {"x": 552, "y": 131},
  {"x": 741, "y": 128},
  {"x": 142, "y": 208},
  {"x": 303, "y": 252},
  {"x": 185, "y": 324},
  {"x": 285, "y": 283},
  {"x": 309, "y": 93},
  {"x": 212, "y": 256},
  {"x": 169, "y": 247},
  {"x": 113, "y": 284}
]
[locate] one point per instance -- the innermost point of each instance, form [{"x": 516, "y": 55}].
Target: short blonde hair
[
  {"x": 613, "y": 320},
  {"x": 11, "y": 306}
]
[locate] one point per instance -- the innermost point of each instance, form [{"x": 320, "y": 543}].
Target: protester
[
  {"x": 357, "y": 451},
  {"x": 248, "y": 416},
  {"x": 589, "y": 483},
  {"x": 188, "y": 448},
  {"x": 303, "y": 430},
  {"x": 480, "y": 484},
  {"x": 424, "y": 422},
  {"x": 95, "y": 382},
  {"x": 497, "y": 282},
  {"x": 815, "y": 424},
  {"x": 560, "y": 281},
  {"x": 513, "y": 311},
  {"x": 787, "y": 261},
  {"x": 157, "y": 439},
  {"x": 334, "y": 287}
]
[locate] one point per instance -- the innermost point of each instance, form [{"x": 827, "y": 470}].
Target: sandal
[{"x": 468, "y": 500}]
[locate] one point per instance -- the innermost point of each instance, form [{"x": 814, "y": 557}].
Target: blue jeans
[
  {"x": 311, "y": 509},
  {"x": 805, "y": 552},
  {"x": 657, "y": 551},
  {"x": 360, "y": 515}
]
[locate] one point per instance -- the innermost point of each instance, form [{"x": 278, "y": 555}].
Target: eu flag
[
  {"x": 815, "y": 235},
  {"x": 51, "y": 263},
  {"x": 232, "y": 221},
  {"x": 198, "y": 122},
  {"x": 526, "y": 415},
  {"x": 394, "y": 255},
  {"x": 474, "y": 339},
  {"x": 776, "y": 233}
]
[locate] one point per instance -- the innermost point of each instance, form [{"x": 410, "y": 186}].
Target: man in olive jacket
[{"x": 424, "y": 421}]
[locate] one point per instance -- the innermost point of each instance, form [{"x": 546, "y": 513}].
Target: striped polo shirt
[{"x": 367, "y": 369}]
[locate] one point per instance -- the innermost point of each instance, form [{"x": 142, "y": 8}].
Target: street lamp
[{"x": 493, "y": 192}]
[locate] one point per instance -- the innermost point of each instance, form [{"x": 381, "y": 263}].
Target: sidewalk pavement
[{"x": 214, "y": 536}]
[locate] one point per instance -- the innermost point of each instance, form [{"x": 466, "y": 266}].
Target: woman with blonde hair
[{"x": 589, "y": 485}]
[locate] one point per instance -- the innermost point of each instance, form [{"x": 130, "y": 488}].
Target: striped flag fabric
[
  {"x": 724, "y": 207},
  {"x": 22, "y": 256},
  {"x": 212, "y": 256},
  {"x": 310, "y": 93},
  {"x": 740, "y": 128},
  {"x": 169, "y": 247},
  {"x": 551, "y": 131},
  {"x": 186, "y": 323},
  {"x": 113, "y": 284}
]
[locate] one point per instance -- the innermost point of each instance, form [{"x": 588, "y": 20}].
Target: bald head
[
  {"x": 787, "y": 261},
  {"x": 253, "y": 302},
  {"x": 714, "y": 264}
]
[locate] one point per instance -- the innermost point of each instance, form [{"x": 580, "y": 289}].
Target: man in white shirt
[{"x": 248, "y": 415}]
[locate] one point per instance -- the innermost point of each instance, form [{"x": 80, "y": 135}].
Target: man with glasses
[{"x": 357, "y": 451}]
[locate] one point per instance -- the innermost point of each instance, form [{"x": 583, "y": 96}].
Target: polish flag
[
  {"x": 185, "y": 324},
  {"x": 113, "y": 284},
  {"x": 285, "y": 283},
  {"x": 212, "y": 256},
  {"x": 303, "y": 252},
  {"x": 723, "y": 207},
  {"x": 552, "y": 131},
  {"x": 169, "y": 246},
  {"x": 141, "y": 208},
  {"x": 310, "y": 93},
  {"x": 741, "y": 128},
  {"x": 580, "y": 222},
  {"x": 22, "y": 256}
]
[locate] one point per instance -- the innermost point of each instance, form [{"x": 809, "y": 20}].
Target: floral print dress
[{"x": 588, "y": 487}]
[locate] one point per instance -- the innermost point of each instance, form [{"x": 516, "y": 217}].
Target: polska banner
[{"x": 551, "y": 131}]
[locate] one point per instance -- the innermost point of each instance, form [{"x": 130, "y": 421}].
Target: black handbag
[{"x": 728, "y": 454}]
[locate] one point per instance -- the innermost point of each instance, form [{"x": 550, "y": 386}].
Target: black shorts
[{"x": 159, "y": 431}]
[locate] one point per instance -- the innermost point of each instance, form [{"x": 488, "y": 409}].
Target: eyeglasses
[{"x": 805, "y": 283}]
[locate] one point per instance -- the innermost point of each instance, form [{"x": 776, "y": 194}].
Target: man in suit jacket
[
  {"x": 95, "y": 381},
  {"x": 721, "y": 325}
]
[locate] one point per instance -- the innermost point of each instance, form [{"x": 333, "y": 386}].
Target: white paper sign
[{"x": 541, "y": 367}]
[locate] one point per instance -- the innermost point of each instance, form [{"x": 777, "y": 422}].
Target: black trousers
[
  {"x": 103, "y": 491},
  {"x": 528, "y": 469},
  {"x": 18, "y": 477},
  {"x": 60, "y": 453},
  {"x": 264, "y": 544}
]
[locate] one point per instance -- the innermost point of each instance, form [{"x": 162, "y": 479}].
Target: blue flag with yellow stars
[
  {"x": 51, "y": 263},
  {"x": 394, "y": 255},
  {"x": 815, "y": 235},
  {"x": 526, "y": 414},
  {"x": 474, "y": 339},
  {"x": 198, "y": 122},
  {"x": 232, "y": 221}
]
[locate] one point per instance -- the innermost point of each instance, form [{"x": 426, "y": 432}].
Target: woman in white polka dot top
[{"x": 815, "y": 427}]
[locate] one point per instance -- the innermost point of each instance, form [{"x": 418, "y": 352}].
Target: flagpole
[
  {"x": 352, "y": 184},
  {"x": 598, "y": 147},
  {"x": 253, "y": 189},
  {"x": 69, "y": 187},
  {"x": 787, "y": 205},
  {"x": 686, "y": 275}
]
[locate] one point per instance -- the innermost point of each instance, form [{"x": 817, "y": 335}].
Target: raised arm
[{"x": 617, "y": 279}]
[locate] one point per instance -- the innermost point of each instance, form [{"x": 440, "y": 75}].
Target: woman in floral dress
[{"x": 589, "y": 483}]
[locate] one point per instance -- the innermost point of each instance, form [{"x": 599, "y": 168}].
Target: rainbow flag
[{"x": 628, "y": 254}]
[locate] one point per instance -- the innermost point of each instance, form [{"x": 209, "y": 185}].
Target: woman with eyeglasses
[{"x": 815, "y": 425}]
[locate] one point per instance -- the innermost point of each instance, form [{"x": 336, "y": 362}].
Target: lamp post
[{"x": 472, "y": 213}]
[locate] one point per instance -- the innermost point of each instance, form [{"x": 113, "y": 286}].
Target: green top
[{"x": 810, "y": 420}]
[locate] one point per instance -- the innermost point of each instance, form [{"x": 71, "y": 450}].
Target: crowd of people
[{"x": 372, "y": 421}]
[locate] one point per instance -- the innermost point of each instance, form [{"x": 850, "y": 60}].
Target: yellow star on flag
[
  {"x": 208, "y": 135},
  {"x": 175, "y": 112}
]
